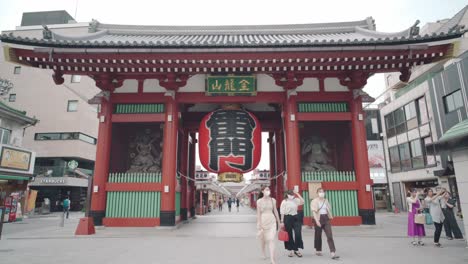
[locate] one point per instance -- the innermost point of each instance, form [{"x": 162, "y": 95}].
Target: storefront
[{"x": 55, "y": 189}]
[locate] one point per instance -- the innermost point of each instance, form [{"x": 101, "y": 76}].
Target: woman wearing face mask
[
  {"x": 321, "y": 210},
  {"x": 267, "y": 222},
  {"x": 433, "y": 203},
  {"x": 292, "y": 222},
  {"x": 414, "y": 207}
]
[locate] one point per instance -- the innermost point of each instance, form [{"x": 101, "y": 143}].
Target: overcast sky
[{"x": 390, "y": 15}]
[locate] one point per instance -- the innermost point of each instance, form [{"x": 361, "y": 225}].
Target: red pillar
[
  {"x": 279, "y": 150},
  {"x": 191, "y": 196},
  {"x": 293, "y": 158},
  {"x": 167, "y": 215},
  {"x": 183, "y": 180},
  {"x": 361, "y": 163},
  {"x": 272, "y": 164},
  {"x": 101, "y": 166}
]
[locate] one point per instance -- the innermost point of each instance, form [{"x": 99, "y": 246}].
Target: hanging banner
[{"x": 230, "y": 141}]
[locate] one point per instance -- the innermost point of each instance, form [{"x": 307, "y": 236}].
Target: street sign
[{"x": 72, "y": 164}]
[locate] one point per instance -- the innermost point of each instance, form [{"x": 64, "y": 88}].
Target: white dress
[{"x": 268, "y": 228}]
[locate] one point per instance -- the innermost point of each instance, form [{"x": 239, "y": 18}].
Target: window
[
  {"x": 422, "y": 113},
  {"x": 75, "y": 78},
  {"x": 417, "y": 155},
  {"x": 47, "y": 136},
  {"x": 390, "y": 124},
  {"x": 394, "y": 159},
  {"x": 411, "y": 116},
  {"x": 453, "y": 101},
  {"x": 5, "y": 135},
  {"x": 12, "y": 98},
  {"x": 65, "y": 136},
  {"x": 400, "y": 121},
  {"x": 72, "y": 106},
  {"x": 405, "y": 156},
  {"x": 87, "y": 138},
  {"x": 17, "y": 70},
  {"x": 429, "y": 159}
]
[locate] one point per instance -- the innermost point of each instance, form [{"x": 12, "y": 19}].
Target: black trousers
[
  {"x": 325, "y": 226},
  {"x": 450, "y": 224},
  {"x": 438, "y": 231},
  {"x": 66, "y": 211},
  {"x": 293, "y": 224}
]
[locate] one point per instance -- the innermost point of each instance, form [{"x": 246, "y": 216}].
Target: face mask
[
  {"x": 290, "y": 196},
  {"x": 321, "y": 194},
  {"x": 266, "y": 193}
]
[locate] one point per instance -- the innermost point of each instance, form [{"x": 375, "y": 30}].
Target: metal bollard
[{"x": 62, "y": 220}]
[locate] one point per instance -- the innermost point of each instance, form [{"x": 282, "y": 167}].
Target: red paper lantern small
[{"x": 230, "y": 141}]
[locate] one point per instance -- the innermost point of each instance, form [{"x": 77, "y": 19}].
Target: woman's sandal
[
  {"x": 420, "y": 243},
  {"x": 319, "y": 254},
  {"x": 298, "y": 254},
  {"x": 291, "y": 255},
  {"x": 414, "y": 243}
]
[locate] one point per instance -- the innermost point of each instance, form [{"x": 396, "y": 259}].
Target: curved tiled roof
[{"x": 300, "y": 35}]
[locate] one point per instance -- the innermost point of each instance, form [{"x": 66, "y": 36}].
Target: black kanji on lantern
[{"x": 231, "y": 133}]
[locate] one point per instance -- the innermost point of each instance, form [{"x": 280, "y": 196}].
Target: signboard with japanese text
[
  {"x": 230, "y": 177},
  {"x": 15, "y": 159},
  {"x": 231, "y": 85}
]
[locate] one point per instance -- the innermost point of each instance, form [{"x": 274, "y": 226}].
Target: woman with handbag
[
  {"x": 435, "y": 212},
  {"x": 267, "y": 222},
  {"x": 415, "y": 223},
  {"x": 291, "y": 221},
  {"x": 321, "y": 210}
]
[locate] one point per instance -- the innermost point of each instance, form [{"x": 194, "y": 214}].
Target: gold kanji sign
[{"x": 231, "y": 85}]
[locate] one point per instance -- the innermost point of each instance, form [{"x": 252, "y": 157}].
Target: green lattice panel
[
  {"x": 133, "y": 204},
  {"x": 323, "y": 107},
  {"x": 138, "y": 108},
  {"x": 134, "y": 177},
  {"x": 328, "y": 176}
]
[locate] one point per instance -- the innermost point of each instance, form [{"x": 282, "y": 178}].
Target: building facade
[
  {"x": 417, "y": 114},
  {"x": 302, "y": 82},
  {"x": 68, "y": 126},
  {"x": 16, "y": 162}
]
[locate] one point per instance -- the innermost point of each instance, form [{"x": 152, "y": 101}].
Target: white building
[
  {"x": 411, "y": 119},
  {"x": 68, "y": 125}
]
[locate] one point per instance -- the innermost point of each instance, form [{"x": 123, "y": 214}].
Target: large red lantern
[{"x": 230, "y": 141}]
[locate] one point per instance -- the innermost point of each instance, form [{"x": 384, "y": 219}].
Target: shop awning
[
  {"x": 255, "y": 186},
  {"x": 14, "y": 177},
  {"x": 455, "y": 137}
]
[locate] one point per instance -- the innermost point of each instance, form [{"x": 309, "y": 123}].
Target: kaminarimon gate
[{"x": 302, "y": 83}]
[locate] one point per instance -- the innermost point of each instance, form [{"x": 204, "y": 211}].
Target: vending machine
[{"x": 11, "y": 203}]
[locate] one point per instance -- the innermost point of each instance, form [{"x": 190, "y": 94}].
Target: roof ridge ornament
[
  {"x": 46, "y": 32},
  {"x": 414, "y": 30},
  {"x": 93, "y": 26}
]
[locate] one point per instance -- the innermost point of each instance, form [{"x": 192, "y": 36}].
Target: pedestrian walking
[
  {"x": 433, "y": 204},
  {"x": 322, "y": 212},
  {"x": 292, "y": 222},
  {"x": 237, "y": 204},
  {"x": 229, "y": 201},
  {"x": 450, "y": 224},
  {"x": 415, "y": 229},
  {"x": 267, "y": 223},
  {"x": 66, "y": 206},
  {"x": 220, "y": 205}
]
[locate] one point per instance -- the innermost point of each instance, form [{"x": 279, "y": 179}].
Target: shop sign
[
  {"x": 230, "y": 177},
  {"x": 53, "y": 181},
  {"x": 15, "y": 159},
  {"x": 231, "y": 85}
]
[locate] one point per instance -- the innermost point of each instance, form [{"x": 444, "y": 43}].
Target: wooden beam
[
  {"x": 137, "y": 118},
  {"x": 323, "y": 116}
]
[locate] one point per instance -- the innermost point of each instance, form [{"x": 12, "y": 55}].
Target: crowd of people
[
  {"x": 431, "y": 208},
  {"x": 269, "y": 221},
  {"x": 424, "y": 208}
]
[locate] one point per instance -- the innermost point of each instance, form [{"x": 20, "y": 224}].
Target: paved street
[{"x": 220, "y": 237}]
